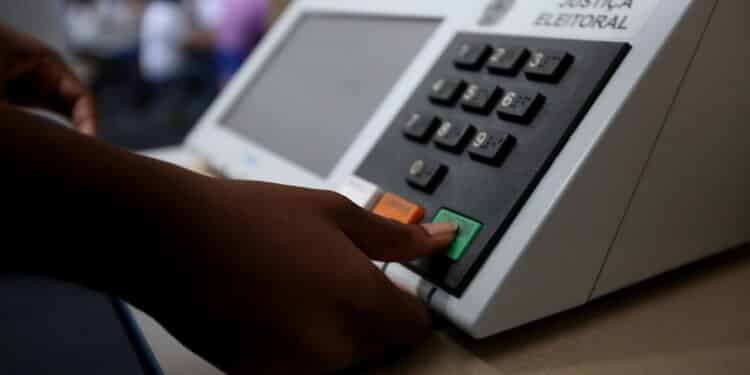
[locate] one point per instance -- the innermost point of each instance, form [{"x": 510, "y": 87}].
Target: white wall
[{"x": 41, "y": 18}]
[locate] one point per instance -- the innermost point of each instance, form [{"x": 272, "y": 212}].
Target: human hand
[
  {"x": 276, "y": 279},
  {"x": 33, "y": 75}
]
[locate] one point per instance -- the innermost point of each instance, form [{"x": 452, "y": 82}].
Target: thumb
[{"x": 387, "y": 240}]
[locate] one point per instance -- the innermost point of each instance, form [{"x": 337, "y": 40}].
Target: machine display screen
[{"x": 323, "y": 83}]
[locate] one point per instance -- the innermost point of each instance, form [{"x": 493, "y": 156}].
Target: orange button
[{"x": 392, "y": 206}]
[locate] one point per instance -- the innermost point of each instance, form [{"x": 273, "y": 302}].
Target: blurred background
[{"x": 153, "y": 65}]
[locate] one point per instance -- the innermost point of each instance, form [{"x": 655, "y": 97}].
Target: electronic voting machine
[{"x": 581, "y": 145}]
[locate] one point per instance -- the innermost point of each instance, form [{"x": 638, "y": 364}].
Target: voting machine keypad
[{"x": 478, "y": 134}]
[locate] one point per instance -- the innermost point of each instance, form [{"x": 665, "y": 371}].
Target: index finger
[{"x": 387, "y": 240}]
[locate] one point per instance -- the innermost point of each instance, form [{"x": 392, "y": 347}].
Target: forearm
[{"x": 87, "y": 212}]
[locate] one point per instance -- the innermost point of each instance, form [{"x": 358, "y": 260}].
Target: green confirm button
[{"x": 467, "y": 230}]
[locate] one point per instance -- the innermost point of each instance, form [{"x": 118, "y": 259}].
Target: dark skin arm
[{"x": 254, "y": 277}]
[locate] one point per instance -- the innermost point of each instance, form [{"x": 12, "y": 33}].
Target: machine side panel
[{"x": 694, "y": 197}]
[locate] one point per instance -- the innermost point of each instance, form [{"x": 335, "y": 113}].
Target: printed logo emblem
[{"x": 495, "y": 12}]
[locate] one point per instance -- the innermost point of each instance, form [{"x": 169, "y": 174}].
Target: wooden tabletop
[{"x": 695, "y": 320}]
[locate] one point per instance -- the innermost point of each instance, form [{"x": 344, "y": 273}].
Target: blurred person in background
[
  {"x": 156, "y": 97},
  {"x": 104, "y": 38},
  {"x": 165, "y": 31},
  {"x": 231, "y": 27},
  {"x": 206, "y": 14},
  {"x": 243, "y": 24},
  {"x": 197, "y": 45},
  {"x": 202, "y": 70},
  {"x": 104, "y": 28},
  {"x": 178, "y": 71}
]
